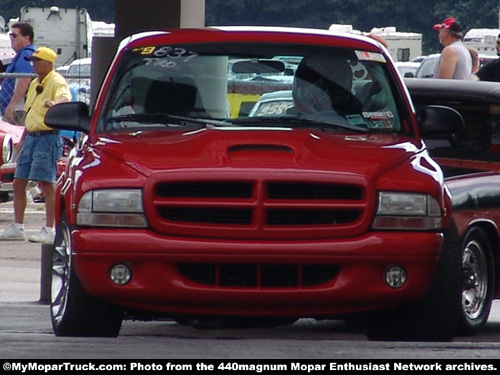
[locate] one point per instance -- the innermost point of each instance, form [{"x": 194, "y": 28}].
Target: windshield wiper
[
  {"x": 302, "y": 122},
  {"x": 163, "y": 119}
]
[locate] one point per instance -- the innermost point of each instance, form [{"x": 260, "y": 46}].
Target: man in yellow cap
[{"x": 41, "y": 146}]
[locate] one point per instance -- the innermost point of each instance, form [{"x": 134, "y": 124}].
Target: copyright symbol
[{"x": 7, "y": 366}]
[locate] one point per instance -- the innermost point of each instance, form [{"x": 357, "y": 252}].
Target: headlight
[
  {"x": 407, "y": 211},
  {"x": 112, "y": 208}
]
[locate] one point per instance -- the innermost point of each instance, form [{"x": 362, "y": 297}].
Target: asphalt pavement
[
  {"x": 24, "y": 282},
  {"x": 21, "y": 261}
]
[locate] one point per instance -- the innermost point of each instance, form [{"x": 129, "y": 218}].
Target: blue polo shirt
[{"x": 18, "y": 65}]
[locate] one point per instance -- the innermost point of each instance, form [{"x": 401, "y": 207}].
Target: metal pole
[
  {"x": 46, "y": 274},
  {"x": 77, "y": 34}
]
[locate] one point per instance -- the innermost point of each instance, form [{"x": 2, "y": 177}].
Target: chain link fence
[
  {"x": 9, "y": 81},
  {"x": 79, "y": 86}
]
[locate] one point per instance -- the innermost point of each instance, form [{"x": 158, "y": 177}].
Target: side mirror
[
  {"x": 437, "y": 120},
  {"x": 69, "y": 116},
  {"x": 409, "y": 75}
]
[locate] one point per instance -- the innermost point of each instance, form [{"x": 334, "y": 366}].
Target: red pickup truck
[{"x": 176, "y": 202}]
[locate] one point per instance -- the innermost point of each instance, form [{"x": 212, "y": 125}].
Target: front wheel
[
  {"x": 73, "y": 311},
  {"x": 478, "y": 281},
  {"x": 435, "y": 316}
]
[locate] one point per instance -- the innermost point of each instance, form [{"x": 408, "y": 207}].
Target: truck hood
[{"x": 299, "y": 149}]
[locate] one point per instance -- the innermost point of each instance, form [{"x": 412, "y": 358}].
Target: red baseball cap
[{"x": 449, "y": 24}]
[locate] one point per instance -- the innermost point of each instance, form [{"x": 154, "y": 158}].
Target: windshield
[
  {"x": 79, "y": 70},
  {"x": 426, "y": 69},
  {"x": 252, "y": 85}
]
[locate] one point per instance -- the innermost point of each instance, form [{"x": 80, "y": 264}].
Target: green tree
[{"x": 405, "y": 15}]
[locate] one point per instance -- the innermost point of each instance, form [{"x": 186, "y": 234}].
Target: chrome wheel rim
[
  {"x": 475, "y": 279},
  {"x": 61, "y": 269}
]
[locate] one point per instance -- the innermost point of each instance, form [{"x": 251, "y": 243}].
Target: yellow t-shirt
[{"x": 54, "y": 87}]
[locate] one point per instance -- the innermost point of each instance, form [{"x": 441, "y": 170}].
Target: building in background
[
  {"x": 403, "y": 46},
  {"x": 68, "y": 31},
  {"x": 6, "y": 51},
  {"x": 484, "y": 41}
]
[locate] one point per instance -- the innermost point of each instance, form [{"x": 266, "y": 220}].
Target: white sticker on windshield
[
  {"x": 370, "y": 56},
  {"x": 379, "y": 119},
  {"x": 379, "y": 115}
]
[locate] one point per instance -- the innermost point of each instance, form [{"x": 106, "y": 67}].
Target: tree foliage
[{"x": 405, "y": 15}]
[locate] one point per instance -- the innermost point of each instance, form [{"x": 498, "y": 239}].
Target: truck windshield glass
[{"x": 253, "y": 84}]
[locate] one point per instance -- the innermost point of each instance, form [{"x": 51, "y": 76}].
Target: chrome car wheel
[
  {"x": 73, "y": 311},
  {"x": 61, "y": 270},
  {"x": 475, "y": 276},
  {"x": 7, "y": 149},
  {"x": 477, "y": 281}
]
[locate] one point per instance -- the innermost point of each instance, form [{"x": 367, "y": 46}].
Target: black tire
[
  {"x": 4, "y": 196},
  {"x": 434, "y": 317},
  {"x": 478, "y": 281},
  {"x": 74, "y": 312}
]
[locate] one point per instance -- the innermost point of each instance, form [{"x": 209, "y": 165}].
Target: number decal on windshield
[{"x": 165, "y": 56}]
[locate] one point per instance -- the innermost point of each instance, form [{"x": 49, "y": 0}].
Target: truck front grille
[
  {"x": 258, "y": 275},
  {"x": 205, "y": 190},
  {"x": 257, "y": 208}
]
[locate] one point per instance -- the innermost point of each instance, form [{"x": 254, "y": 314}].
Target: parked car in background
[
  {"x": 427, "y": 66},
  {"x": 9, "y": 137},
  {"x": 407, "y": 69},
  {"x": 79, "y": 67},
  {"x": 275, "y": 103},
  {"x": 171, "y": 205},
  {"x": 62, "y": 69},
  {"x": 470, "y": 162},
  {"x": 78, "y": 79},
  {"x": 418, "y": 59}
]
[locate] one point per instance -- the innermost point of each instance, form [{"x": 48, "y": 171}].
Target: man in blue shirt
[{"x": 14, "y": 89}]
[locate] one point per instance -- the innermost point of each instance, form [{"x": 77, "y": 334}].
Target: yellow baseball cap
[{"x": 43, "y": 53}]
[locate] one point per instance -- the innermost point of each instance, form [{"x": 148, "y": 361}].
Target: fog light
[
  {"x": 395, "y": 276},
  {"x": 120, "y": 274}
]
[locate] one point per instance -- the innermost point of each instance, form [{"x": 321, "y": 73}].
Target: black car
[{"x": 470, "y": 162}]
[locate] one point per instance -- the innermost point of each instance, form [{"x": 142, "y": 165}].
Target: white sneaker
[
  {"x": 45, "y": 236},
  {"x": 13, "y": 233}
]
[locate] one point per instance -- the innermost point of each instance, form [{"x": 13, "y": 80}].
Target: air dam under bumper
[{"x": 160, "y": 282}]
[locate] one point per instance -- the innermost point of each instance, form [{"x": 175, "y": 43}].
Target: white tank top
[{"x": 464, "y": 64}]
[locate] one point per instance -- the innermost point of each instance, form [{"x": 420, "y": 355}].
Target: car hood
[
  {"x": 15, "y": 131},
  {"x": 301, "y": 149}
]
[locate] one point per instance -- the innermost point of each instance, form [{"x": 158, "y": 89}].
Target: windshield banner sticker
[
  {"x": 165, "y": 56},
  {"x": 381, "y": 115},
  {"x": 380, "y": 119},
  {"x": 370, "y": 56}
]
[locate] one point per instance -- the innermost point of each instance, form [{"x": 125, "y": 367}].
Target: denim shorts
[{"x": 38, "y": 157}]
